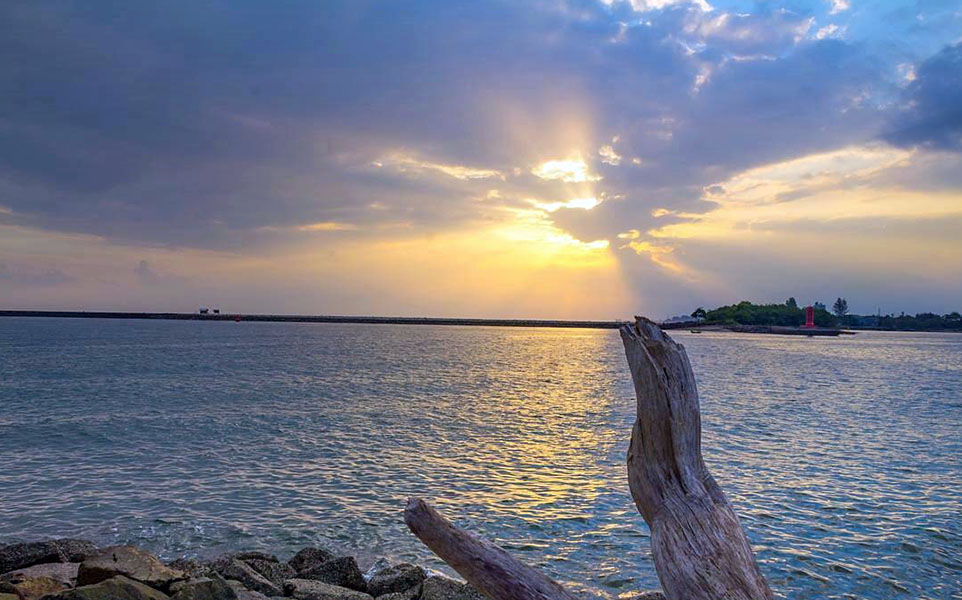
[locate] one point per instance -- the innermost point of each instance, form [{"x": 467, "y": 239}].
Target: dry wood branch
[
  {"x": 700, "y": 550},
  {"x": 487, "y": 567}
]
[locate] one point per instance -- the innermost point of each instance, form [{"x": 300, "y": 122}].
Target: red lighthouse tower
[{"x": 809, "y": 317}]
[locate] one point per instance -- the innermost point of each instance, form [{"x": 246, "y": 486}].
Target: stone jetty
[
  {"x": 78, "y": 570},
  {"x": 68, "y": 569}
]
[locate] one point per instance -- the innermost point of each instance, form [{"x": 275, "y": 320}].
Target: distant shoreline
[
  {"x": 370, "y": 320},
  {"x": 169, "y": 316}
]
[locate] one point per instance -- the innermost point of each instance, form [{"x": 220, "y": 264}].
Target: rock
[
  {"x": 130, "y": 562},
  {"x": 115, "y": 588},
  {"x": 33, "y": 588},
  {"x": 19, "y": 556},
  {"x": 395, "y": 579},
  {"x": 252, "y": 555},
  {"x": 252, "y": 580},
  {"x": 439, "y": 587},
  {"x": 191, "y": 568},
  {"x": 650, "y": 595},
  {"x": 203, "y": 588},
  {"x": 65, "y": 573},
  {"x": 245, "y": 594},
  {"x": 9, "y": 597},
  {"x": 308, "y": 558},
  {"x": 223, "y": 561},
  {"x": 342, "y": 571},
  {"x": 275, "y": 572},
  {"x": 411, "y": 594},
  {"x": 310, "y": 589}
]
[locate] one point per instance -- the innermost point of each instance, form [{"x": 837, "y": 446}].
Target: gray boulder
[
  {"x": 252, "y": 580},
  {"x": 221, "y": 562},
  {"x": 115, "y": 588},
  {"x": 439, "y": 587},
  {"x": 342, "y": 571},
  {"x": 65, "y": 573},
  {"x": 309, "y": 589},
  {"x": 650, "y": 595},
  {"x": 395, "y": 579},
  {"x": 308, "y": 558},
  {"x": 203, "y": 588},
  {"x": 191, "y": 568},
  {"x": 130, "y": 562},
  {"x": 254, "y": 555},
  {"x": 19, "y": 556},
  {"x": 275, "y": 572},
  {"x": 245, "y": 594},
  {"x": 34, "y": 588},
  {"x": 411, "y": 594}
]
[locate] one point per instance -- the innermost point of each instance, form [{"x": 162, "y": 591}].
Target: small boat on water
[{"x": 696, "y": 330}]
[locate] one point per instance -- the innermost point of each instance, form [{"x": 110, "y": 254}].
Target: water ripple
[{"x": 843, "y": 457}]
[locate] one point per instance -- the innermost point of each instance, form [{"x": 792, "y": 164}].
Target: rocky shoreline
[{"x": 68, "y": 569}]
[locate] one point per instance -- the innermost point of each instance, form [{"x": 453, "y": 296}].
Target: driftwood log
[{"x": 700, "y": 550}]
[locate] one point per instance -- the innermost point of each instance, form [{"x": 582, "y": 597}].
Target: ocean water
[{"x": 843, "y": 457}]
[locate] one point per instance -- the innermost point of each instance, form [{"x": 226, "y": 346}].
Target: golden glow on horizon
[
  {"x": 522, "y": 266},
  {"x": 823, "y": 188},
  {"x": 792, "y": 209},
  {"x": 506, "y": 253}
]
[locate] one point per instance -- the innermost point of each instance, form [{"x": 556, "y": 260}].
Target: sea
[{"x": 842, "y": 456}]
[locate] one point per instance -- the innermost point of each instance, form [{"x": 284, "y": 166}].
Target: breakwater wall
[{"x": 312, "y": 319}]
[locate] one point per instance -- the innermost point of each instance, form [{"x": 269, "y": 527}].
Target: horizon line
[{"x": 291, "y": 318}]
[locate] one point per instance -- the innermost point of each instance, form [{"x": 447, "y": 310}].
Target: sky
[{"x": 547, "y": 159}]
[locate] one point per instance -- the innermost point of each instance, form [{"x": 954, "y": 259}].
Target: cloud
[
  {"x": 609, "y": 156},
  {"x": 839, "y": 6},
  {"x": 932, "y": 116},
  {"x": 830, "y": 31},
  {"x": 200, "y": 137},
  {"x": 582, "y": 203},
  {"x": 407, "y": 164},
  {"x": 260, "y": 132},
  {"x": 573, "y": 170}
]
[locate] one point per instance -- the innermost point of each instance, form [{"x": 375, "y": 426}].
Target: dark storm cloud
[
  {"x": 198, "y": 123},
  {"x": 933, "y": 116}
]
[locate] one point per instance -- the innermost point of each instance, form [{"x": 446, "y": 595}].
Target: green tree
[
  {"x": 790, "y": 303},
  {"x": 699, "y": 313},
  {"x": 840, "y": 308},
  {"x": 818, "y": 305}
]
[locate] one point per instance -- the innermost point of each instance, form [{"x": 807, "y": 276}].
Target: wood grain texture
[
  {"x": 486, "y": 566},
  {"x": 700, "y": 549}
]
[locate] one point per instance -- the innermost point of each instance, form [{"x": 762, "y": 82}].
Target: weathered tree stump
[{"x": 699, "y": 548}]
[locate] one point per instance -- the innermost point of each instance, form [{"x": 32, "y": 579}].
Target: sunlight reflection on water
[{"x": 843, "y": 457}]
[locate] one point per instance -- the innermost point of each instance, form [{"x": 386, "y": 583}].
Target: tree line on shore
[{"x": 790, "y": 314}]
